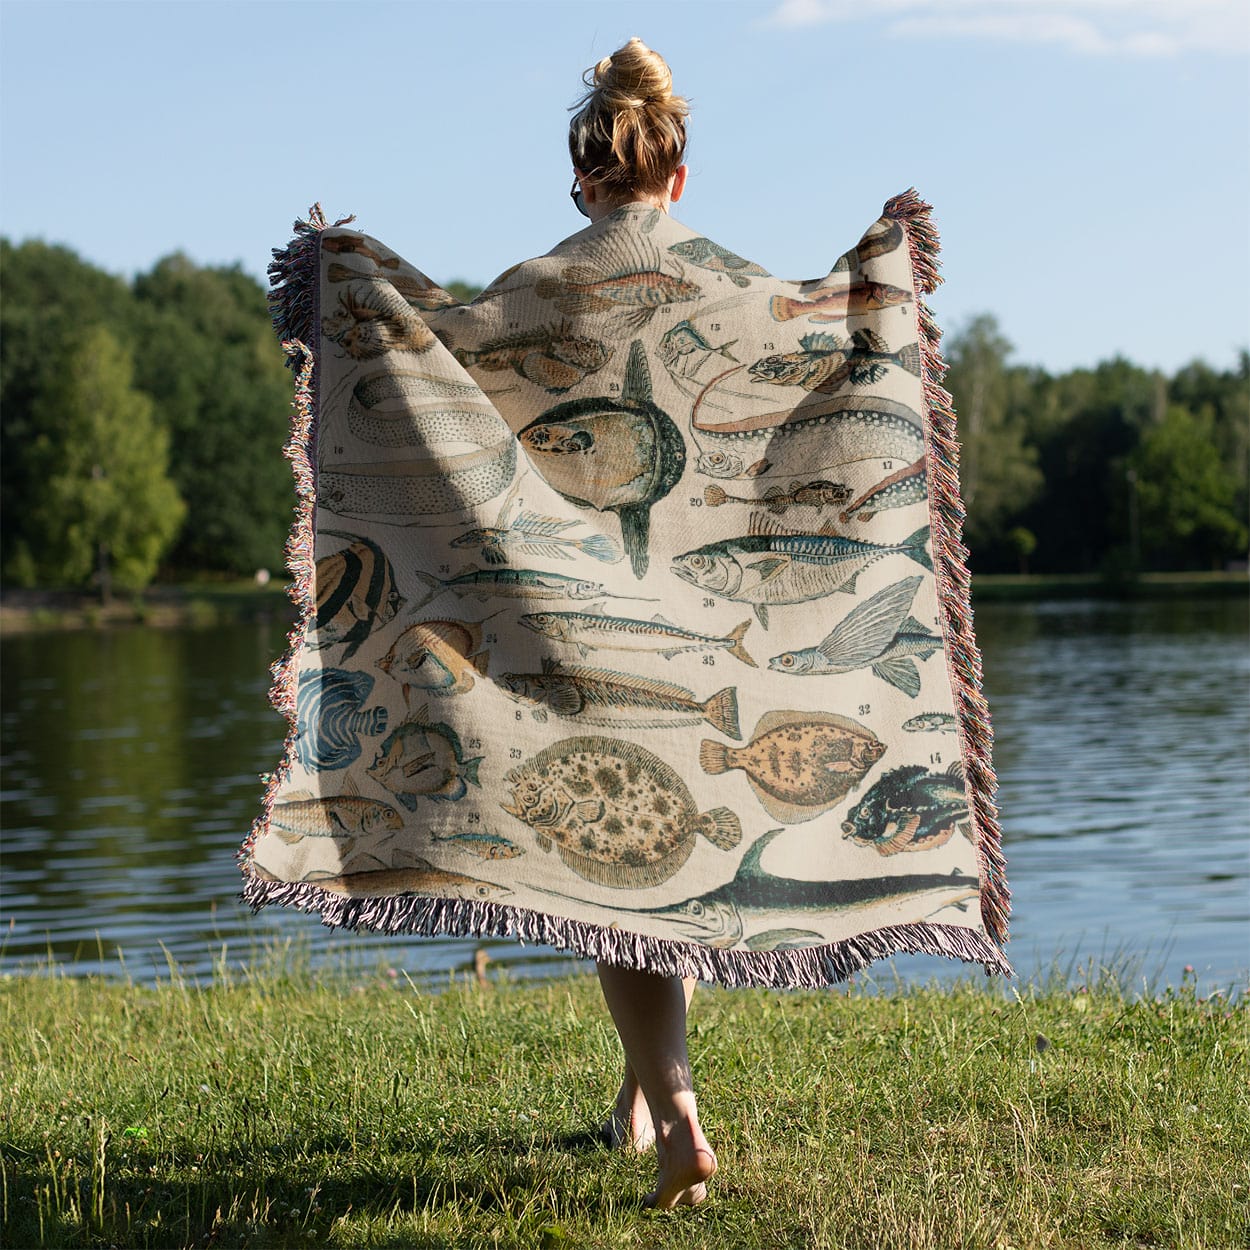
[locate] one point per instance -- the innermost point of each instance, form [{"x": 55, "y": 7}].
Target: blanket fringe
[{"x": 951, "y": 565}]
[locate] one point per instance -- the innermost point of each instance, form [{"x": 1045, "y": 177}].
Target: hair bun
[{"x": 633, "y": 76}]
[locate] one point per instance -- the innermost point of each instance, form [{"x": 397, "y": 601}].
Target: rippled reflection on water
[{"x": 131, "y": 758}]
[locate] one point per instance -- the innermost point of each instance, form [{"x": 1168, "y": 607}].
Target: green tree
[{"x": 104, "y": 505}]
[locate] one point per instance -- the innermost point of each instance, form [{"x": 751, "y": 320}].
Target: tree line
[{"x": 143, "y": 420}]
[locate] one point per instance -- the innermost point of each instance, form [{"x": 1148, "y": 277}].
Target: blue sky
[{"x": 1088, "y": 160}]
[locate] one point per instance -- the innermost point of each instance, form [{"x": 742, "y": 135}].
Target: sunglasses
[{"x": 576, "y": 196}]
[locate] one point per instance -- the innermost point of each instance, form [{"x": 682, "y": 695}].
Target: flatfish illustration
[
  {"x": 331, "y": 717},
  {"x": 615, "y": 455},
  {"x": 424, "y": 759},
  {"x": 877, "y": 634},
  {"x": 711, "y": 256},
  {"x": 408, "y": 409},
  {"x": 910, "y": 809},
  {"x": 826, "y": 361},
  {"x": 931, "y": 722},
  {"x": 534, "y": 534},
  {"x": 618, "y": 815},
  {"x": 778, "y": 499},
  {"x": 301, "y": 815},
  {"x": 356, "y": 594},
  {"x": 838, "y": 303},
  {"x": 769, "y": 567},
  {"x": 371, "y": 319},
  {"x": 637, "y": 285},
  {"x": 551, "y": 357},
  {"x": 483, "y": 845},
  {"x": 606, "y": 698},
  {"x": 596, "y": 630},
  {"x": 440, "y": 656},
  {"x": 528, "y": 584},
  {"x": 800, "y": 764},
  {"x": 416, "y": 291},
  {"x": 684, "y": 350},
  {"x": 904, "y": 486}
]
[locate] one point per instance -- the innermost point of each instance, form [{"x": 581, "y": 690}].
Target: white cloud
[{"x": 1134, "y": 28}]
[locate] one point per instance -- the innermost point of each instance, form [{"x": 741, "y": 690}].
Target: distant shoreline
[{"x": 200, "y": 605}]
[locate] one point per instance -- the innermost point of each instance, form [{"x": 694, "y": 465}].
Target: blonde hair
[{"x": 629, "y": 132}]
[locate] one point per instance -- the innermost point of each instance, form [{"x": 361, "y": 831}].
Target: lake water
[{"x": 130, "y": 762}]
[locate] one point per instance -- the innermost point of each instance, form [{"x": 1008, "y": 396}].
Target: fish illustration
[
  {"x": 770, "y": 567},
  {"x": 419, "y": 877},
  {"x": 528, "y": 584},
  {"x": 372, "y": 319},
  {"x": 605, "y": 697},
  {"x": 814, "y": 494},
  {"x": 838, "y": 303},
  {"x": 595, "y": 630},
  {"x": 637, "y": 286},
  {"x": 618, "y": 815},
  {"x": 931, "y": 722},
  {"x": 341, "y": 244},
  {"x": 708, "y": 255},
  {"x": 356, "y": 594},
  {"x": 904, "y": 486},
  {"x": 424, "y": 759},
  {"x": 330, "y": 719},
  {"x": 550, "y": 356},
  {"x": 392, "y": 408},
  {"x": 728, "y": 464},
  {"x": 417, "y": 292},
  {"x": 754, "y": 897},
  {"x": 684, "y": 351},
  {"x": 332, "y": 816},
  {"x": 443, "y": 657},
  {"x": 826, "y": 361},
  {"x": 483, "y": 845},
  {"x": 800, "y": 764},
  {"x": 613, "y": 455},
  {"x": 535, "y": 535},
  {"x": 879, "y": 240},
  {"x": 877, "y": 634},
  {"x": 910, "y": 809}
]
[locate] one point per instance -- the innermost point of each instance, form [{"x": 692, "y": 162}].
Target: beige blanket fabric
[{"x": 635, "y": 619}]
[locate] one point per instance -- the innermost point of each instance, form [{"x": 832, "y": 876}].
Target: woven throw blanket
[{"x": 634, "y": 616}]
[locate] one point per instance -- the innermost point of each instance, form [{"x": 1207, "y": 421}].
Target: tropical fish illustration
[
  {"x": 352, "y": 243},
  {"x": 637, "y": 286},
  {"x": 535, "y": 535},
  {"x": 769, "y": 567},
  {"x": 418, "y": 292},
  {"x": 372, "y": 319},
  {"x": 904, "y": 486},
  {"x": 443, "y": 657},
  {"x": 910, "y": 809},
  {"x": 615, "y": 455},
  {"x": 528, "y": 584},
  {"x": 330, "y": 719},
  {"x": 618, "y": 815},
  {"x": 356, "y": 594},
  {"x": 931, "y": 722},
  {"x": 684, "y": 350},
  {"x": 826, "y": 361},
  {"x": 838, "y": 303},
  {"x": 799, "y": 764},
  {"x": 879, "y": 240},
  {"x": 595, "y": 630},
  {"x": 483, "y": 845},
  {"x": 550, "y": 356},
  {"x": 708, "y": 255},
  {"x": 877, "y": 634},
  {"x": 604, "y": 697},
  {"x": 419, "y": 877},
  {"x": 424, "y": 759},
  {"x": 754, "y": 897},
  {"x": 332, "y": 816},
  {"x": 777, "y": 499}
]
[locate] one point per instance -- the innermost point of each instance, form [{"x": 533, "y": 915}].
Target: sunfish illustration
[
  {"x": 527, "y": 584},
  {"x": 878, "y": 634},
  {"x": 711, "y": 256},
  {"x": 424, "y": 759},
  {"x": 770, "y": 567},
  {"x": 551, "y": 356},
  {"x": 356, "y": 594},
  {"x": 334, "y": 816},
  {"x": 606, "y": 698},
  {"x": 800, "y": 764},
  {"x": 330, "y": 717},
  {"x": 615, "y": 455},
  {"x": 904, "y": 486},
  {"x": 618, "y": 815},
  {"x": 838, "y": 303},
  {"x": 441, "y": 656},
  {"x": 826, "y": 361},
  {"x": 778, "y": 499},
  {"x": 910, "y": 809}
]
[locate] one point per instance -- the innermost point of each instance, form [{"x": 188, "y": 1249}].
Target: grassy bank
[{"x": 292, "y": 1111}]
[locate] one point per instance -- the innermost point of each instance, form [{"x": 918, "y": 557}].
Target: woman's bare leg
[{"x": 650, "y": 1015}]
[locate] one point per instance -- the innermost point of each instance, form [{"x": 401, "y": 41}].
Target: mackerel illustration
[{"x": 514, "y": 584}]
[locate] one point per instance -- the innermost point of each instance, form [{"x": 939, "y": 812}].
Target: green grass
[{"x": 287, "y": 1109}]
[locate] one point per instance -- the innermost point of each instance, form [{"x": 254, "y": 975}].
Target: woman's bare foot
[
  {"x": 629, "y": 1126},
  {"x": 686, "y": 1165}
]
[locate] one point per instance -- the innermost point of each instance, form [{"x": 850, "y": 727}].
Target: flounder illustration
[
  {"x": 615, "y": 455},
  {"x": 330, "y": 717},
  {"x": 799, "y": 764},
  {"x": 910, "y": 809},
  {"x": 421, "y": 758},
  {"x": 618, "y": 815}
]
